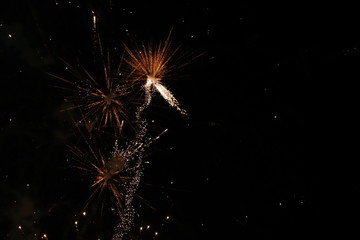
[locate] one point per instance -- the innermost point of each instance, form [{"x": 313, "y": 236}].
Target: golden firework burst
[
  {"x": 106, "y": 173},
  {"x": 152, "y": 63},
  {"x": 103, "y": 98}
]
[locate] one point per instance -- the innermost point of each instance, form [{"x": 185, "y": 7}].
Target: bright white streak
[
  {"x": 149, "y": 83},
  {"x": 165, "y": 93},
  {"x": 169, "y": 97},
  {"x": 94, "y": 20}
]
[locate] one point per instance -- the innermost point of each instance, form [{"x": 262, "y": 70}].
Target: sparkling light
[
  {"x": 118, "y": 174},
  {"x": 101, "y": 104},
  {"x": 101, "y": 99},
  {"x": 94, "y": 20},
  {"x": 151, "y": 64}
]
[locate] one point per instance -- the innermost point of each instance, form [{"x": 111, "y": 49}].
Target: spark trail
[{"x": 126, "y": 216}]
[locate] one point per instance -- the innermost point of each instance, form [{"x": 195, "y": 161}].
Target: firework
[
  {"x": 151, "y": 64},
  {"x": 107, "y": 173},
  {"x": 117, "y": 173},
  {"x": 103, "y": 100}
]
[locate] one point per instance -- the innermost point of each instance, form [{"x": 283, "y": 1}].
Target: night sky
[{"x": 266, "y": 152}]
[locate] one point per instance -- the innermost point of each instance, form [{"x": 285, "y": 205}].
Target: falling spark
[
  {"x": 128, "y": 212},
  {"x": 151, "y": 64}
]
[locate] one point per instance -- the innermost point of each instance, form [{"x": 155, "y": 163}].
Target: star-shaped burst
[
  {"x": 151, "y": 64},
  {"x": 102, "y": 97}
]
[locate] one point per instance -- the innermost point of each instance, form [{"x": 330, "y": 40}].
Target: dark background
[{"x": 267, "y": 153}]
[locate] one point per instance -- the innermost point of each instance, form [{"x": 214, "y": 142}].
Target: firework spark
[
  {"x": 126, "y": 218},
  {"x": 102, "y": 100},
  {"x": 151, "y": 64}
]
